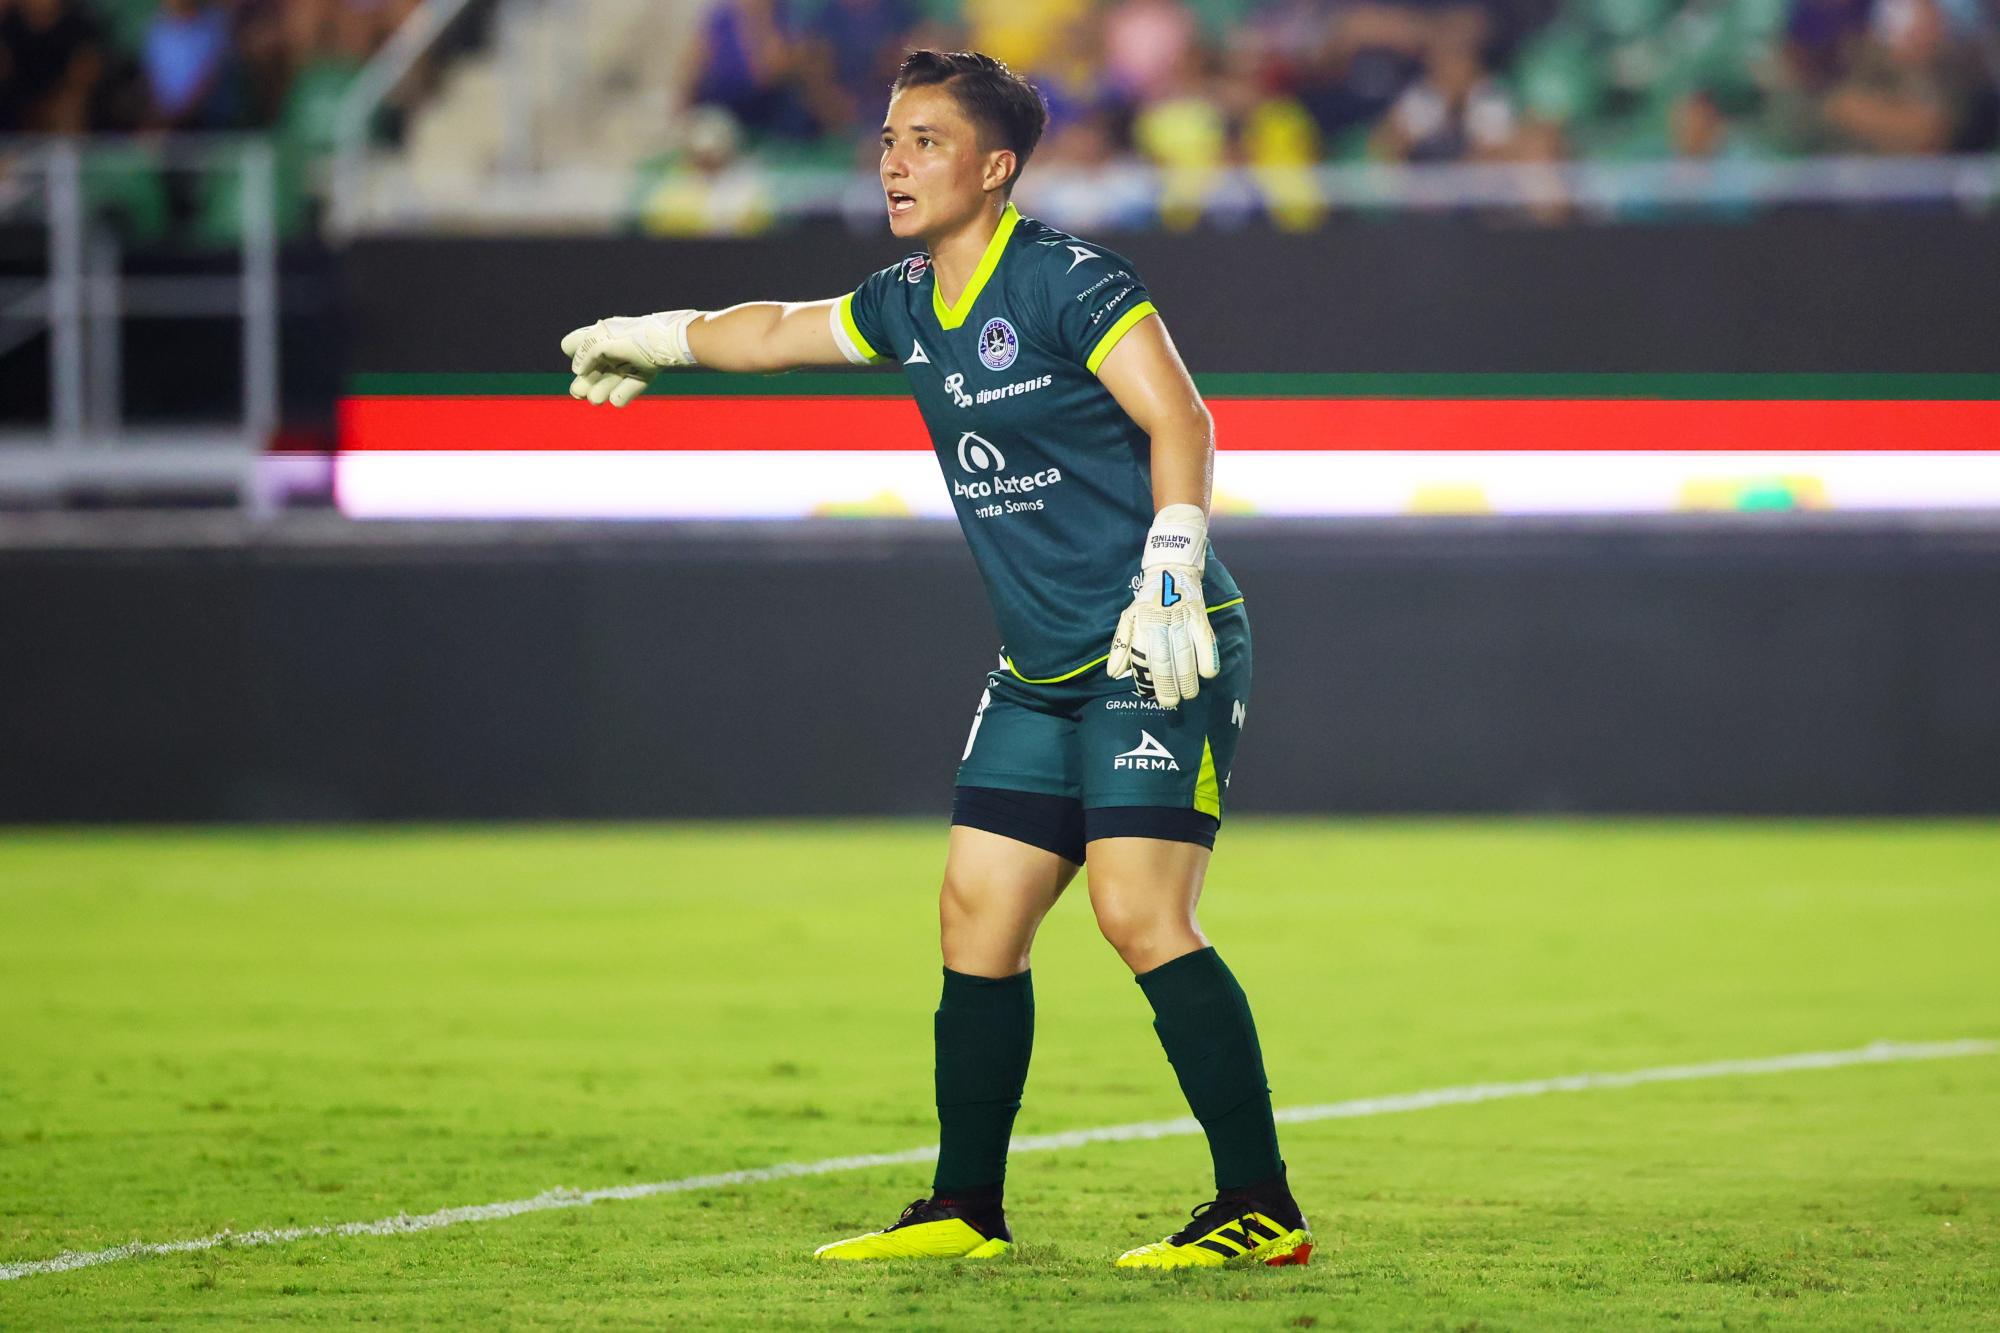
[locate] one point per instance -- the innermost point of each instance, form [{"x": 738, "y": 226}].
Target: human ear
[{"x": 999, "y": 168}]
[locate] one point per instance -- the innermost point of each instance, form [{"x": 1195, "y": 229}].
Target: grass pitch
[{"x": 210, "y": 1030}]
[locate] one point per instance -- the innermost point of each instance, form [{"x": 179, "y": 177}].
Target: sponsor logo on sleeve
[
  {"x": 1103, "y": 282},
  {"x": 1098, "y": 315}
]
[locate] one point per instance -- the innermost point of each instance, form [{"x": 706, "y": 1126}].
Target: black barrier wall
[
  {"x": 1816, "y": 291},
  {"x": 1780, "y": 665}
]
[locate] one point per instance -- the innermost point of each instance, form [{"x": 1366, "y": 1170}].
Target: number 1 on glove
[{"x": 1164, "y": 642}]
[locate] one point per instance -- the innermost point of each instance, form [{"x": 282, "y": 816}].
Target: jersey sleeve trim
[
  {"x": 847, "y": 334},
  {"x": 1117, "y": 331}
]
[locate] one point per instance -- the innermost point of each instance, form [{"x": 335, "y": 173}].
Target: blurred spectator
[
  {"x": 745, "y": 59},
  {"x": 1080, "y": 182},
  {"x": 1455, "y": 112},
  {"x": 188, "y": 60},
  {"x": 1281, "y": 145},
  {"x": 1369, "y": 55},
  {"x": 1697, "y": 130},
  {"x": 1023, "y": 33},
  {"x": 1712, "y": 165},
  {"x": 321, "y": 61},
  {"x": 1148, "y": 44},
  {"x": 264, "y": 55},
  {"x": 51, "y": 63},
  {"x": 855, "y": 48},
  {"x": 1184, "y": 133},
  {"x": 1071, "y": 75},
  {"x": 709, "y": 190},
  {"x": 1818, "y": 36},
  {"x": 1191, "y": 110},
  {"x": 1909, "y": 87}
]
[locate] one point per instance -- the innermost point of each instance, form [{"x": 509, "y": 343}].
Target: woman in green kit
[{"x": 1079, "y": 457}]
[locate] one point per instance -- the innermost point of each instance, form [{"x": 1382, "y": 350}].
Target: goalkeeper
[{"x": 1079, "y": 456}]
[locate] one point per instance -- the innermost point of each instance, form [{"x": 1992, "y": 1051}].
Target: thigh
[
  {"x": 1144, "y": 892},
  {"x": 996, "y": 892}
]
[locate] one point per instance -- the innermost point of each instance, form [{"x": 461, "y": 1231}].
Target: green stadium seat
[
  {"x": 1626, "y": 20},
  {"x": 1558, "y": 77},
  {"x": 123, "y": 188},
  {"x": 125, "y": 20}
]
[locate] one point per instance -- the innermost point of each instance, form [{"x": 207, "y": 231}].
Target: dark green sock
[
  {"x": 1203, "y": 1019},
  {"x": 985, "y": 1032}
]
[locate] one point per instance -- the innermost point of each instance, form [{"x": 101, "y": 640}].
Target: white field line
[{"x": 1881, "y": 1052}]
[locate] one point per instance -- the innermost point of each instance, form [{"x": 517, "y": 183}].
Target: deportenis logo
[{"x": 954, "y": 384}]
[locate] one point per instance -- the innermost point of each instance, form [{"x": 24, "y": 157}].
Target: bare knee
[
  {"x": 959, "y": 909},
  {"x": 995, "y": 893},
  {"x": 1146, "y": 932},
  {"x": 981, "y": 932}
]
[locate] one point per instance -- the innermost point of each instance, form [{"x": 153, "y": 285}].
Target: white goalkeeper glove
[
  {"x": 1164, "y": 642},
  {"x": 615, "y": 359}
]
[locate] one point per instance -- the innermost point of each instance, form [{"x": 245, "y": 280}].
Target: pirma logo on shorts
[{"x": 1148, "y": 756}]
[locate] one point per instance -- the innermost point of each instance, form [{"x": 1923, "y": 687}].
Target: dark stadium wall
[
  {"x": 1821, "y": 291},
  {"x": 1773, "y": 665},
  {"x": 1810, "y": 330}
]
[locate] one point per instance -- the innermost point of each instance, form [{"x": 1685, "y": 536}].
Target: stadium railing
[{"x": 71, "y": 202}]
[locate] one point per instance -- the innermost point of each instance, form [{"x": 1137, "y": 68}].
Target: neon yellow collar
[{"x": 955, "y": 316}]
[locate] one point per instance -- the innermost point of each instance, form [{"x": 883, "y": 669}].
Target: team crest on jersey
[
  {"x": 997, "y": 345},
  {"x": 914, "y": 267}
]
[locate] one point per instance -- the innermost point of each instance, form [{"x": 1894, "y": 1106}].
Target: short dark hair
[{"x": 1005, "y": 107}]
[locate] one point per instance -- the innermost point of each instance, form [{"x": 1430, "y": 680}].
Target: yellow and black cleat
[
  {"x": 1234, "y": 1229},
  {"x": 930, "y": 1229}
]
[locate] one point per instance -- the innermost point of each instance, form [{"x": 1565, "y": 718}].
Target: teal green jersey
[{"x": 1051, "y": 479}]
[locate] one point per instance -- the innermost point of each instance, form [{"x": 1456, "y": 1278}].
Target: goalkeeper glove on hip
[
  {"x": 615, "y": 359},
  {"x": 1164, "y": 641}
]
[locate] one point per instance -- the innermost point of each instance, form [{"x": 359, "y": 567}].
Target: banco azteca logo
[{"x": 976, "y": 453}]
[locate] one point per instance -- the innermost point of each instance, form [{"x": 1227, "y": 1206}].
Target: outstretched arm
[
  {"x": 615, "y": 359},
  {"x": 767, "y": 336}
]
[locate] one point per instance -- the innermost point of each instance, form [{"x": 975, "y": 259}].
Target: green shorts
[{"x": 1112, "y": 756}]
